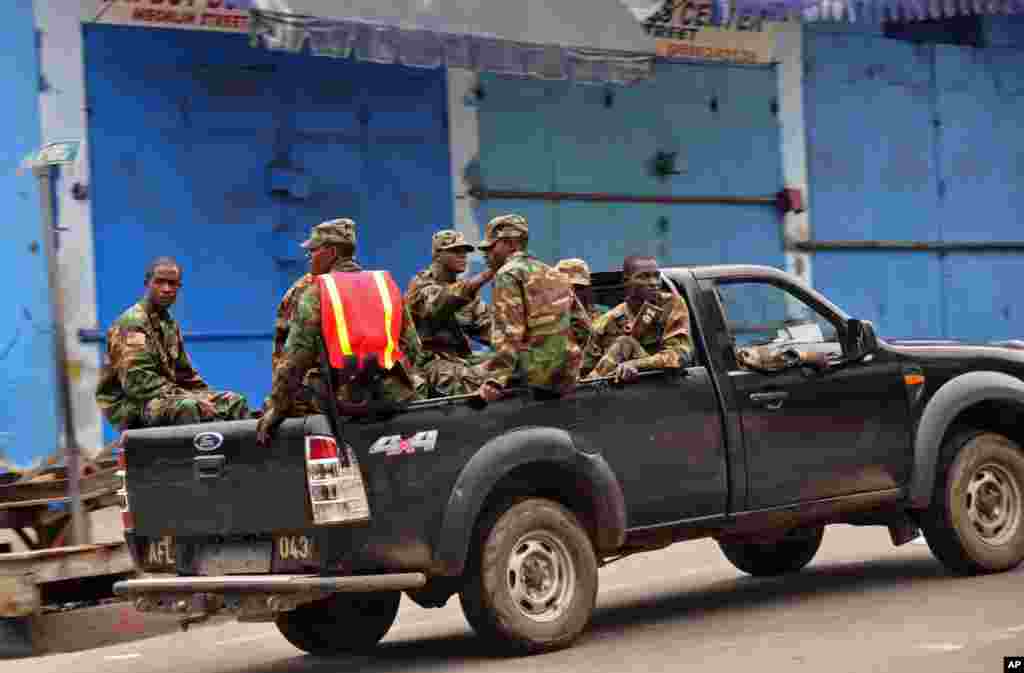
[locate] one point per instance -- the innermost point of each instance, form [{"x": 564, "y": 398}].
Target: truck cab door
[{"x": 809, "y": 434}]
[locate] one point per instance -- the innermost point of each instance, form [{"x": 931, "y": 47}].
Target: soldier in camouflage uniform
[
  {"x": 578, "y": 273},
  {"x": 148, "y": 379},
  {"x": 304, "y": 403},
  {"x": 536, "y": 319},
  {"x": 448, "y": 312},
  {"x": 330, "y": 248},
  {"x": 649, "y": 330}
]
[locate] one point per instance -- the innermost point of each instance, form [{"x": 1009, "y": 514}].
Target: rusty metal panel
[
  {"x": 225, "y": 157},
  {"x": 869, "y": 113},
  {"x": 718, "y": 120},
  {"x": 28, "y": 393},
  {"x": 981, "y": 110}
]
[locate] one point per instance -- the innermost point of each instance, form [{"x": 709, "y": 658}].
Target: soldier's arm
[
  {"x": 582, "y": 327},
  {"x": 184, "y": 373},
  {"x": 475, "y": 320},
  {"x": 439, "y": 301},
  {"x": 138, "y": 367},
  {"x": 599, "y": 341},
  {"x": 676, "y": 345},
  {"x": 300, "y": 352},
  {"x": 410, "y": 343},
  {"x": 509, "y": 329}
]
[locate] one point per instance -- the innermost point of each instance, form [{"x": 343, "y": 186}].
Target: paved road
[{"x": 861, "y": 606}]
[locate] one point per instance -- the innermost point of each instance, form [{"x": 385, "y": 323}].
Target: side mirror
[{"x": 860, "y": 339}]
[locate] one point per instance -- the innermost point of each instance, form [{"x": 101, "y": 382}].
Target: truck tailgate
[{"x": 214, "y": 479}]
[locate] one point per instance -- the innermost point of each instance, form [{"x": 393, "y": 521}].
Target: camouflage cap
[
  {"x": 504, "y": 226},
  {"x": 576, "y": 270},
  {"x": 332, "y": 232},
  {"x": 449, "y": 239}
]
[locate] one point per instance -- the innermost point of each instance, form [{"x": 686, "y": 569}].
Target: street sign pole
[{"x": 42, "y": 164}]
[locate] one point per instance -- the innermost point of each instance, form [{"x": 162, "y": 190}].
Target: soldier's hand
[
  {"x": 266, "y": 426},
  {"x": 626, "y": 372},
  {"x": 479, "y": 280},
  {"x": 489, "y": 392}
]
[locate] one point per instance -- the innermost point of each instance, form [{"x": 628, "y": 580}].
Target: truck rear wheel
[
  {"x": 341, "y": 623},
  {"x": 532, "y": 582},
  {"x": 975, "y": 522},
  {"x": 787, "y": 555}
]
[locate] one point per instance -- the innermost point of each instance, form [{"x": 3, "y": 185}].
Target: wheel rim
[
  {"x": 993, "y": 504},
  {"x": 540, "y": 576}
]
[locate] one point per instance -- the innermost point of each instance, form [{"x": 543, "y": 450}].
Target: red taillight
[
  {"x": 334, "y": 487},
  {"x": 321, "y": 448},
  {"x": 127, "y": 520}
]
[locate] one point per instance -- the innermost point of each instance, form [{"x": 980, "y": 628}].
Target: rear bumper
[{"x": 270, "y": 584}]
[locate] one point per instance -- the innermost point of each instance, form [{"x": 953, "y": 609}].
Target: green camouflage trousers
[
  {"x": 449, "y": 375},
  {"x": 195, "y": 407},
  {"x": 622, "y": 349}
]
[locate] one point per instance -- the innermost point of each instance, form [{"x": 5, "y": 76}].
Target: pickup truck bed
[{"x": 515, "y": 506}]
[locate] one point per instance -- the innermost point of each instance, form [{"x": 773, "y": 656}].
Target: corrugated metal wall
[
  {"x": 917, "y": 143},
  {"x": 28, "y": 397},
  {"x": 184, "y": 129},
  {"x": 720, "y": 120}
]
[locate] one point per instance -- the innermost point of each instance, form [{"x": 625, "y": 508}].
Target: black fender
[
  {"x": 952, "y": 398},
  {"x": 516, "y": 448}
]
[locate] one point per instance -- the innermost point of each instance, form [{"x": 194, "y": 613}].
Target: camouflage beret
[
  {"x": 505, "y": 226},
  {"x": 449, "y": 239},
  {"x": 576, "y": 269},
  {"x": 332, "y": 232}
]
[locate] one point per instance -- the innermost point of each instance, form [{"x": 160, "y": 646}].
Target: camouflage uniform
[
  {"x": 304, "y": 403},
  {"x": 447, "y": 313},
  {"x": 578, "y": 273},
  {"x": 536, "y": 319},
  {"x": 656, "y": 337},
  {"x": 148, "y": 378},
  {"x": 298, "y": 365}
]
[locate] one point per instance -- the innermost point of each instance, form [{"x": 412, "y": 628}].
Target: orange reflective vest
[{"x": 361, "y": 313}]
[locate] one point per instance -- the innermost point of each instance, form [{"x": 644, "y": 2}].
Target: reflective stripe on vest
[{"x": 361, "y": 313}]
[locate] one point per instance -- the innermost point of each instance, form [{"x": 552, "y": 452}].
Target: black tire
[
  {"x": 975, "y": 523},
  {"x": 530, "y": 541},
  {"x": 788, "y": 555},
  {"x": 341, "y": 623}
]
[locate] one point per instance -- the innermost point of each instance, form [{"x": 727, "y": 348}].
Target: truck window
[{"x": 762, "y": 314}]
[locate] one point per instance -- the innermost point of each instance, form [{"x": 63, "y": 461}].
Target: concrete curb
[{"x": 83, "y": 629}]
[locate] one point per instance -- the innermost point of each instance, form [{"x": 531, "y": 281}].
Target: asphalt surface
[{"x": 862, "y": 605}]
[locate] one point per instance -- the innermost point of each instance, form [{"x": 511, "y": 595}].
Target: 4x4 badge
[
  {"x": 394, "y": 445},
  {"x": 208, "y": 441}
]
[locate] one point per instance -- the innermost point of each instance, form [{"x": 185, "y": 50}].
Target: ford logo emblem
[{"x": 208, "y": 441}]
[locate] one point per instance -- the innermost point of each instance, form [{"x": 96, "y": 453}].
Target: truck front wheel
[
  {"x": 341, "y": 623},
  {"x": 532, "y": 580},
  {"x": 787, "y": 555},
  {"x": 975, "y": 523}
]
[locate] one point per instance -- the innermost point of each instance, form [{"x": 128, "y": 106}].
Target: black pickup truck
[{"x": 515, "y": 505}]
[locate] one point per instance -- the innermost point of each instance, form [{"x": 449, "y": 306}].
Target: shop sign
[
  {"x": 217, "y": 15},
  {"x": 689, "y": 30}
]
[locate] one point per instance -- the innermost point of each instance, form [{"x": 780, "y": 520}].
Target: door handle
[
  {"x": 209, "y": 467},
  {"x": 772, "y": 400}
]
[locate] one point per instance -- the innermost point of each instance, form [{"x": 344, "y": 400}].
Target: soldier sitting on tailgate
[
  {"x": 448, "y": 312},
  {"x": 148, "y": 379},
  {"x": 649, "y": 330},
  {"x": 331, "y": 246}
]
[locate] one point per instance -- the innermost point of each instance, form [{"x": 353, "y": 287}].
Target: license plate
[
  {"x": 236, "y": 558},
  {"x": 294, "y": 552},
  {"x": 159, "y": 554}
]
